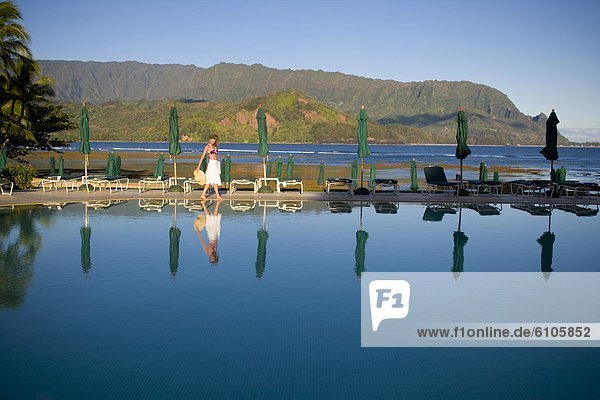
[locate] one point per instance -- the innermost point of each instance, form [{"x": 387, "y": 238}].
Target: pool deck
[{"x": 37, "y": 196}]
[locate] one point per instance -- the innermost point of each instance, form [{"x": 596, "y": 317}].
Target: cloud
[{"x": 580, "y": 135}]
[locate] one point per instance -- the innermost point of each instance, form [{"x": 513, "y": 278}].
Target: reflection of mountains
[{"x": 19, "y": 244}]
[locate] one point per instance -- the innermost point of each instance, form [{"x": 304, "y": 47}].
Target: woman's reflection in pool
[{"x": 213, "y": 231}]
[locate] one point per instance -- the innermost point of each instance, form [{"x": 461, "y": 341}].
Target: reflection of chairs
[
  {"x": 339, "y": 182},
  {"x": 103, "y": 204},
  {"x": 580, "y": 211},
  {"x": 436, "y": 212},
  {"x": 385, "y": 208},
  {"x": 58, "y": 206},
  {"x": 290, "y": 206},
  {"x": 242, "y": 205},
  {"x": 384, "y": 183},
  {"x": 8, "y": 184},
  {"x": 287, "y": 183},
  {"x": 486, "y": 209},
  {"x": 339, "y": 207},
  {"x": 533, "y": 209},
  {"x": 242, "y": 182},
  {"x": 436, "y": 180},
  {"x": 193, "y": 205},
  {"x": 152, "y": 204}
]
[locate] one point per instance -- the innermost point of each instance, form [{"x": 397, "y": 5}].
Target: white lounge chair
[
  {"x": 242, "y": 182},
  {"x": 287, "y": 183},
  {"x": 339, "y": 182},
  {"x": 9, "y": 184}
]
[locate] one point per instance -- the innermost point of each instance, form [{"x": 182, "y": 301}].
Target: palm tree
[{"x": 13, "y": 38}]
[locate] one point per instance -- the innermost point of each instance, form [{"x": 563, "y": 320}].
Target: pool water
[{"x": 128, "y": 300}]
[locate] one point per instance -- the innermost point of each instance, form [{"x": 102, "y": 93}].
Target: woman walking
[{"x": 213, "y": 170}]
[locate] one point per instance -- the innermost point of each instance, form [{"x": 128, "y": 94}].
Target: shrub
[{"x": 21, "y": 175}]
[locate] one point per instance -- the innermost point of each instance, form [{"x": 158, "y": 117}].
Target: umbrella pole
[
  {"x": 459, "y": 217},
  {"x": 362, "y": 170},
  {"x": 551, "y": 170},
  {"x": 264, "y": 216},
  {"x": 361, "y": 215},
  {"x": 85, "y": 165},
  {"x": 175, "y": 167},
  {"x": 175, "y": 214}
]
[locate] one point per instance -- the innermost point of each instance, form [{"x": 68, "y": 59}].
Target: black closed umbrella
[{"x": 550, "y": 152}]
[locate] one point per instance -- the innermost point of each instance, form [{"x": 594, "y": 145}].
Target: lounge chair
[
  {"x": 578, "y": 189},
  {"x": 532, "y": 187},
  {"x": 103, "y": 181},
  {"x": 339, "y": 207},
  {"x": 479, "y": 187},
  {"x": 285, "y": 183},
  {"x": 383, "y": 183},
  {"x": 386, "y": 208},
  {"x": 436, "y": 180},
  {"x": 8, "y": 184},
  {"x": 580, "y": 211},
  {"x": 68, "y": 181},
  {"x": 339, "y": 182},
  {"x": 242, "y": 182},
  {"x": 147, "y": 183}
]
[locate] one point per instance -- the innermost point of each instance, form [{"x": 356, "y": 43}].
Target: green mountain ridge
[{"x": 429, "y": 105}]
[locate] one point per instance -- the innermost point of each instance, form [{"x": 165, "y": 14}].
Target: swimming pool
[{"x": 126, "y": 301}]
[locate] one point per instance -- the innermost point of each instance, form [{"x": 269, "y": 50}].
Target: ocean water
[
  {"x": 582, "y": 163},
  {"x": 96, "y": 302}
]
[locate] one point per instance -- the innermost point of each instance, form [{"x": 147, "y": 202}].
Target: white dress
[
  {"x": 213, "y": 226},
  {"x": 213, "y": 172}
]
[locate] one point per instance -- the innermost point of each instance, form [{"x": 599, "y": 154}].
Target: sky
[{"x": 541, "y": 54}]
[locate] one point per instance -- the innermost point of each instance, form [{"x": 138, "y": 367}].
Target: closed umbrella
[
  {"x": 354, "y": 172},
  {"x": 483, "y": 172},
  {"x": 261, "y": 251},
  {"x": 414, "y": 185},
  {"x": 562, "y": 174},
  {"x": 117, "y": 165},
  {"x": 269, "y": 168},
  {"x": 174, "y": 147},
  {"x": 321, "y": 179},
  {"x": 112, "y": 167},
  {"x": 61, "y": 165},
  {"x": 227, "y": 170},
  {"x": 159, "y": 170},
  {"x": 363, "y": 147},
  {"x": 84, "y": 135},
  {"x": 278, "y": 167},
  {"x": 263, "y": 146},
  {"x": 550, "y": 152},
  {"x": 496, "y": 176},
  {"x": 462, "y": 149},
  {"x": 110, "y": 164},
  {"x": 3, "y": 158},
  {"x": 204, "y": 164},
  {"x": 372, "y": 174},
  {"x": 52, "y": 166},
  {"x": 290, "y": 167}
]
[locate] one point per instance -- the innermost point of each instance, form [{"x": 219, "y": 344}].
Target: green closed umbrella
[
  {"x": 263, "y": 146},
  {"x": 278, "y": 167},
  {"x": 112, "y": 167},
  {"x": 110, "y": 160},
  {"x": 269, "y": 168},
  {"x": 84, "y": 135},
  {"x": 414, "y": 185},
  {"x": 496, "y": 176},
  {"x": 227, "y": 170},
  {"x": 363, "y": 148},
  {"x": 261, "y": 251},
  {"x": 290, "y": 167},
  {"x": 483, "y": 172},
  {"x": 52, "y": 166},
  {"x": 174, "y": 146},
  {"x": 117, "y": 165},
  {"x": 460, "y": 241},
  {"x": 204, "y": 164},
  {"x": 547, "y": 243},
  {"x": 562, "y": 174},
  {"x": 174, "y": 236},
  {"x": 159, "y": 170},
  {"x": 372, "y": 174},
  {"x": 61, "y": 165},
  {"x": 3, "y": 158},
  {"x": 550, "y": 151},
  {"x": 321, "y": 179},
  {"x": 354, "y": 173},
  {"x": 462, "y": 133}
]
